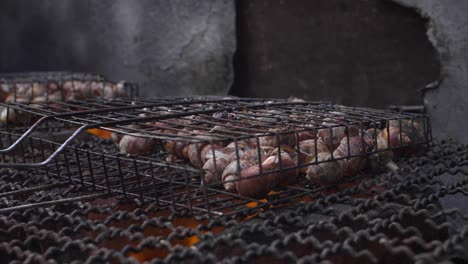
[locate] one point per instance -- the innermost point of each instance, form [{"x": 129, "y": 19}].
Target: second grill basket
[{"x": 40, "y": 87}]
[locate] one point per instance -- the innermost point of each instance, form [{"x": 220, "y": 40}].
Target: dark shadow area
[
  {"x": 42, "y": 37},
  {"x": 366, "y": 52}
]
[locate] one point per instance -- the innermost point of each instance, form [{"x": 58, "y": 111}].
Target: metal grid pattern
[
  {"x": 403, "y": 217},
  {"x": 200, "y": 126},
  {"x": 94, "y": 165}
]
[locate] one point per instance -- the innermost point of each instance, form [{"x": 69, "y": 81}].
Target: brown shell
[
  {"x": 380, "y": 159},
  {"x": 169, "y": 146},
  {"x": 414, "y": 128},
  {"x": 252, "y": 154},
  {"x": 116, "y": 137},
  {"x": 307, "y": 149},
  {"x": 326, "y": 173},
  {"x": 39, "y": 89},
  {"x": 231, "y": 173},
  {"x": 284, "y": 148},
  {"x": 207, "y": 151},
  {"x": 196, "y": 149},
  {"x": 289, "y": 171},
  {"x": 242, "y": 144},
  {"x": 356, "y": 147},
  {"x": 339, "y": 132},
  {"x": 393, "y": 136},
  {"x": 204, "y": 150},
  {"x": 370, "y": 136},
  {"x": 351, "y": 166},
  {"x": 214, "y": 167},
  {"x": 306, "y": 134},
  {"x": 412, "y": 132},
  {"x": 252, "y": 184},
  {"x": 137, "y": 145},
  {"x": 282, "y": 138},
  {"x": 161, "y": 126}
]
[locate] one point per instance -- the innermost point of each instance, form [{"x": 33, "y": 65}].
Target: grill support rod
[
  {"x": 51, "y": 203},
  {"x": 33, "y": 189}
]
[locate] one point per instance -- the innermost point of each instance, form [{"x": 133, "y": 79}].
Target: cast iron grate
[{"x": 417, "y": 214}]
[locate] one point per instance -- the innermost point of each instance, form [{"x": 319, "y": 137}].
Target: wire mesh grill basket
[
  {"x": 250, "y": 149},
  {"x": 39, "y": 87}
]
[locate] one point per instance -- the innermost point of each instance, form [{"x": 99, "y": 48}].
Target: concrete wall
[
  {"x": 363, "y": 52},
  {"x": 170, "y": 47},
  {"x": 447, "y": 103}
]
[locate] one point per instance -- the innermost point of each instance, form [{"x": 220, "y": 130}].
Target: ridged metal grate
[{"x": 415, "y": 215}]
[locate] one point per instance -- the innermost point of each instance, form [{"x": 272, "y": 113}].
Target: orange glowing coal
[
  {"x": 149, "y": 254},
  {"x": 100, "y": 133}
]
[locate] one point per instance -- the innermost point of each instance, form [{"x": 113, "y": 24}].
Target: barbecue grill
[{"x": 81, "y": 199}]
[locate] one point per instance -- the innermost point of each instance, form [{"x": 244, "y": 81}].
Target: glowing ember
[
  {"x": 255, "y": 204},
  {"x": 272, "y": 193},
  {"x": 251, "y": 204},
  {"x": 188, "y": 241},
  {"x": 149, "y": 254},
  {"x": 100, "y": 133}
]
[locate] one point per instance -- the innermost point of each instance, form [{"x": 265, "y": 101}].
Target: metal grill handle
[{"x": 46, "y": 161}]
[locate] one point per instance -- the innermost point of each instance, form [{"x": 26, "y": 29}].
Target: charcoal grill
[{"x": 82, "y": 200}]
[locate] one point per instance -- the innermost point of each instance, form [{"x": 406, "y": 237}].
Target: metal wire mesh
[
  {"x": 96, "y": 166},
  {"x": 256, "y": 149},
  {"x": 38, "y": 87}
]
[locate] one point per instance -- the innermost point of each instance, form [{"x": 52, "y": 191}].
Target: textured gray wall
[
  {"x": 448, "y": 31},
  {"x": 170, "y": 47}
]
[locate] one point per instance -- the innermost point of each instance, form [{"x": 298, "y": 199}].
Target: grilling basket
[{"x": 212, "y": 156}]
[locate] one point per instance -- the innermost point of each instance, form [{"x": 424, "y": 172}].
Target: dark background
[{"x": 367, "y": 52}]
